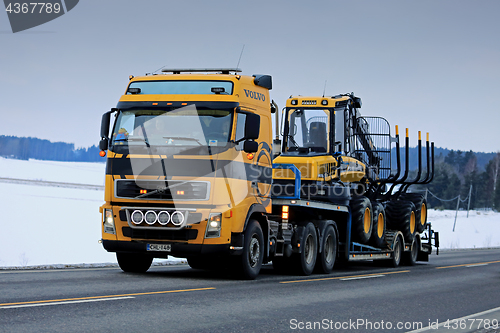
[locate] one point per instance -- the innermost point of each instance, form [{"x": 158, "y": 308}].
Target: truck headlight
[
  {"x": 137, "y": 217},
  {"x": 109, "y": 222},
  {"x": 213, "y": 225},
  {"x": 177, "y": 218},
  {"x": 150, "y": 217},
  {"x": 163, "y": 217}
]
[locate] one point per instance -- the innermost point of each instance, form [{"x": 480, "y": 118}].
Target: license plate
[{"x": 160, "y": 247}]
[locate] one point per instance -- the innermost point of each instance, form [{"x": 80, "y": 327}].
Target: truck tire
[
  {"x": 377, "y": 238},
  {"x": 250, "y": 262},
  {"x": 410, "y": 257},
  {"x": 397, "y": 253},
  {"x": 326, "y": 259},
  {"x": 401, "y": 216},
  {"x": 133, "y": 262},
  {"x": 420, "y": 209},
  {"x": 305, "y": 261},
  {"x": 361, "y": 226}
]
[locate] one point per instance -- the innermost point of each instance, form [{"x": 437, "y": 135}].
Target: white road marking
[
  {"x": 476, "y": 265},
  {"x": 458, "y": 320},
  {"x": 64, "y": 302},
  {"x": 361, "y": 277}
]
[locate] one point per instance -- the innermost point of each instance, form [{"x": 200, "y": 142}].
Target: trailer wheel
[
  {"x": 420, "y": 209},
  {"x": 326, "y": 259},
  {"x": 133, "y": 262},
  {"x": 361, "y": 209},
  {"x": 410, "y": 258},
  {"x": 250, "y": 262},
  {"x": 305, "y": 261},
  {"x": 397, "y": 254},
  {"x": 377, "y": 238},
  {"x": 401, "y": 216}
]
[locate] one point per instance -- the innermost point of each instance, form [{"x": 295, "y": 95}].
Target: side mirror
[
  {"x": 105, "y": 125},
  {"x": 252, "y": 126},
  {"x": 103, "y": 144},
  {"x": 250, "y": 146},
  {"x": 274, "y": 107},
  {"x": 357, "y": 102},
  {"x": 265, "y": 81}
]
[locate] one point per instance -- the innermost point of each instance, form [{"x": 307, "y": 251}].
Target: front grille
[
  {"x": 177, "y": 235},
  {"x": 162, "y": 190}
]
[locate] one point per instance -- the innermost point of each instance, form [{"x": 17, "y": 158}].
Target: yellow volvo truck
[
  {"x": 188, "y": 169},
  {"x": 190, "y": 174}
]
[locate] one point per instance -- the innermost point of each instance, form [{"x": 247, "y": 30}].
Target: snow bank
[
  {"x": 480, "y": 230},
  {"x": 70, "y": 172},
  {"x": 57, "y": 227}
]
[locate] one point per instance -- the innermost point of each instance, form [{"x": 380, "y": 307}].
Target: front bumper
[{"x": 181, "y": 250}]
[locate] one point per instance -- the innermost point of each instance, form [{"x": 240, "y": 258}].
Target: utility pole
[
  {"x": 456, "y": 213},
  {"x": 468, "y": 205}
]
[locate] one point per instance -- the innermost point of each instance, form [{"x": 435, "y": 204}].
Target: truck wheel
[
  {"x": 305, "y": 261},
  {"x": 250, "y": 261},
  {"x": 133, "y": 262},
  {"x": 361, "y": 225},
  {"x": 326, "y": 259},
  {"x": 410, "y": 258},
  {"x": 377, "y": 238},
  {"x": 401, "y": 216},
  {"x": 420, "y": 209},
  {"x": 397, "y": 254}
]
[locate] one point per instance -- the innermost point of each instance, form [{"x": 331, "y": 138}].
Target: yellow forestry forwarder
[
  {"x": 190, "y": 174},
  {"x": 340, "y": 157}
]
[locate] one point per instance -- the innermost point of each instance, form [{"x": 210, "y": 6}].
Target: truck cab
[{"x": 188, "y": 167}]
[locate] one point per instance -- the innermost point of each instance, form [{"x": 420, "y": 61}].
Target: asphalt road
[{"x": 358, "y": 298}]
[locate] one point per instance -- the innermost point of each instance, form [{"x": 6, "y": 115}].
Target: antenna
[
  {"x": 159, "y": 69},
  {"x": 237, "y": 66},
  {"x": 324, "y": 89}
]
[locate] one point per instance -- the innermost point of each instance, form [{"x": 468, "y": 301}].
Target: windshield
[
  {"x": 183, "y": 127},
  {"x": 308, "y": 128}
]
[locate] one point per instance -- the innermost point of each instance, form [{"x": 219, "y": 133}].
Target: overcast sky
[{"x": 429, "y": 65}]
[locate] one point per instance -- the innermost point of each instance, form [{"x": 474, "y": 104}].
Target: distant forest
[
  {"x": 26, "y": 148},
  {"x": 459, "y": 173},
  {"x": 455, "y": 171}
]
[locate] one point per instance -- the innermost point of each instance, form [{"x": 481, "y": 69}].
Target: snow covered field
[
  {"x": 480, "y": 230},
  {"x": 59, "y": 226}
]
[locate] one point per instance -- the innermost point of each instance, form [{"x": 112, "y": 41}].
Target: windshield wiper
[
  {"x": 137, "y": 138},
  {"x": 183, "y": 138}
]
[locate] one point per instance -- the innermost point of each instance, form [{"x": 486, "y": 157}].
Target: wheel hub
[{"x": 254, "y": 252}]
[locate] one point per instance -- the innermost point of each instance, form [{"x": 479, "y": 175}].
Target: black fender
[{"x": 257, "y": 212}]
